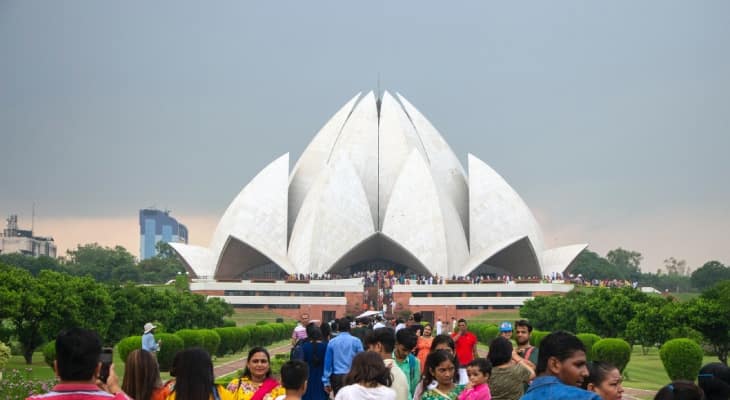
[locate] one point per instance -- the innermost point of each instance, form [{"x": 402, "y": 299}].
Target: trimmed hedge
[
  {"x": 191, "y": 338},
  {"x": 126, "y": 345},
  {"x": 682, "y": 358},
  {"x": 537, "y": 336},
  {"x": 243, "y": 337},
  {"x": 49, "y": 352},
  {"x": 488, "y": 333},
  {"x": 588, "y": 339},
  {"x": 211, "y": 340},
  {"x": 171, "y": 344},
  {"x": 614, "y": 351},
  {"x": 228, "y": 340}
]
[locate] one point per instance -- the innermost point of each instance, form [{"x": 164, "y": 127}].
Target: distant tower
[{"x": 158, "y": 226}]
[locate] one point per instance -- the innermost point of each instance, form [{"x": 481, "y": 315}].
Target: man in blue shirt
[
  {"x": 561, "y": 369},
  {"x": 148, "y": 340},
  {"x": 338, "y": 357}
]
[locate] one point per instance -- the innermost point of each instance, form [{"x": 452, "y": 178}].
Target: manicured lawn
[
  {"x": 496, "y": 317},
  {"x": 39, "y": 370},
  {"x": 246, "y": 317},
  {"x": 647, "y": 371}
]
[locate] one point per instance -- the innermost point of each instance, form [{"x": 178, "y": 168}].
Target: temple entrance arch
[{"x": 380, "y": 250}]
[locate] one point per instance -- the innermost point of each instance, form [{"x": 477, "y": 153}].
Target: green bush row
[
  {"x": 217, "y": 341},
  {"x": 485, "y": 332}
]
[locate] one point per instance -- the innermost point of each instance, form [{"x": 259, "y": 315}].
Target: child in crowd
[
  {"x": 294, "y": 376},
  {"x": 477, "y": 389},
  {"x": 605, "y": 380}
]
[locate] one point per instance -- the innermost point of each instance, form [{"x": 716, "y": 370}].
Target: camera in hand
[{"x": 106, "y": 358}]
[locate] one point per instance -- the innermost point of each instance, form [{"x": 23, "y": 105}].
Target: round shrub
[
  {"x": 191, "y": 338},
  {"x": 588, "y": 339},
  {"x": 211, "y": 340},
  {"x": 4, "y": 354},
  {"x": 682, "y": 358},
  {"x": 126, "y": 345},
  {"x": 243, "y": 336},
  {"x": 614, "y": 351},
  {"x": 228, "y": 323},
  {"x": 267, "y": 334},
  {"x": 256, "y": 335},
  {"x": 171, "y": 344},
  {"x": 489, "y": 332},
  {"x": 537, "y": 336},
  {"x": 279, "y": 331},
  {"x": 476, "y": 327},
  {"x": 49, "y": 353},
  {"x": 228, "y": 340}
]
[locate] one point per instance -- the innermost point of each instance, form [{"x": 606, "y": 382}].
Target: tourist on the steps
[{"x": 256, "y": 383}]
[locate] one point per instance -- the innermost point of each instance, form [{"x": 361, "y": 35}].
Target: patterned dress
[
  {"x": 247, "y": 388},
  {"x": 435, "y": 394}
]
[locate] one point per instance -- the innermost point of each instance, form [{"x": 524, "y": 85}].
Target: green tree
[
  {"x": 651, "y": 323},
  {"x": 592, "y": 266},
  {"x": 608, "y": 311},
  {"x": 29, "y": 263},
  {"x": 627, "y": 262},
  {"x": 24, "y": 306},
  {"x": 708, "y": 314},
  {"x": 709, "y": 274},
  {"x": 76, "y": 301},
  {"x": 100, "y": 262}
]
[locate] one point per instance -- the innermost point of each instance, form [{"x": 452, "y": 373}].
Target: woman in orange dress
[{"x": 424, "y": 345}]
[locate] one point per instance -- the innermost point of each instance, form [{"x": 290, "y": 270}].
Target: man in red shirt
[
  {"x": 77, "y": 365},
  {"x": 465, "y": 344}
]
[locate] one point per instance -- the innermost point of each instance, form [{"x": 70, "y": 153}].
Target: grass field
[{"x": 647, "y": 371}]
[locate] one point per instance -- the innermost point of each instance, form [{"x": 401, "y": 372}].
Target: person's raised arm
[{"x": 328, "y": 368}]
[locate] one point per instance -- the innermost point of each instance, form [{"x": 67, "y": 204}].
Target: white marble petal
[
  {"x": 414, "y": 218},
  {"x": 258, "y": 215},
  {"x": 496, "y": 211},
  {"x": 485, "y": 253},
  {"x": 358, "y": 142},
  {"x": 198, "y": 260},
  {"x": 447, "y": 171},
  {"x": 334, "y": 218},
  {"x": 397, "y": 139},
  {"x": 558, "y": 259},
  {"x": 314, "y": 159}
]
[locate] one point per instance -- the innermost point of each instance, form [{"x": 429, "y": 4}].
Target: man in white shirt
[
  {"x": 439, "y": 327},
  {"x": 300, "y": 331},
  {"x": 382, "y": 341}
]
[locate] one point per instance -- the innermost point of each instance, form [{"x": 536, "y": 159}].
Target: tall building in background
[
  {"x": 14, "y": 240},
  {"x": 158, "y": 226}
]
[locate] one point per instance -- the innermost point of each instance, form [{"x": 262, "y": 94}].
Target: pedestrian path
[{"x": 232, "y": 366}]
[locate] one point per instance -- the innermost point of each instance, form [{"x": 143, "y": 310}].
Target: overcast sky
[{"x": 610, "y": 119}]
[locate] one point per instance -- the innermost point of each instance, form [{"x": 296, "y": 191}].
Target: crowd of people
[{"x": 370, "y": 361}]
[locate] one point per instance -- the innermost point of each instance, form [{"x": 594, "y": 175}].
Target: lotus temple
[{"x": 378, "y": 188}]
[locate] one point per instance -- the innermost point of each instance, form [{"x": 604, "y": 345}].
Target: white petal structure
[{"x": 378, "y": 183}]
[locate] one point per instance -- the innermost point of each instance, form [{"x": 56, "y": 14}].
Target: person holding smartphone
[{"x": 78, "y": 366}]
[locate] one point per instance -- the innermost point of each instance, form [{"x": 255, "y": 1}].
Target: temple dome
[{"x": 377, "y": 182}]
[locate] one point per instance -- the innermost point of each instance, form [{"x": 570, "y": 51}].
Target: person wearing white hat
[{"x": 148, "y": 339}]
